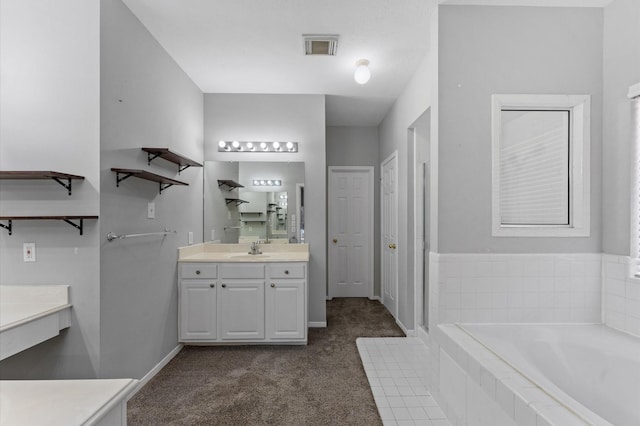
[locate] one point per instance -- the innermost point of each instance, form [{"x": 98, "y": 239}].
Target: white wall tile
[{"x": 520, "y": 287}]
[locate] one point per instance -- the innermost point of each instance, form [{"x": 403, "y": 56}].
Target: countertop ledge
[
  {"x": 212, "y": 252},
  {"x": 63, "y": 402}
]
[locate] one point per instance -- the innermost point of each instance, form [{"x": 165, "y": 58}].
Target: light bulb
[
  {"x": 276, "y": 145},
  {"x": 263, "y": 145},
  {"x": 363, "y": 73},
  {"x": 250, "y": 146},
  {"x": 236, "y": 144},
  {"x": 289, "y": 146},
  {"x": 222, "y": 144},
  {"x": 256, "y": 183}
]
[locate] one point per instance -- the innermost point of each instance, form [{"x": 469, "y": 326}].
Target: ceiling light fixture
[
  {"x": 267, "y": 182},
  {"x": 273, "y": 147},
  {"x": 363, "y": 73}
]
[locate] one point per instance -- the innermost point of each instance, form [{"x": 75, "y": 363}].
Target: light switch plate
[{"x": 151, "y": 211}]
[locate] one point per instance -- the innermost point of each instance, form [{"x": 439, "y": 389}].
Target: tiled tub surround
[
  {"x": 621, "y": 305},
  {"x": 518, "y": 288},
  {"x": 474, "y": 386}
]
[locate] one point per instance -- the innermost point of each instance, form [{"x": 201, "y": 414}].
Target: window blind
[{"x": 534, "y": 168}]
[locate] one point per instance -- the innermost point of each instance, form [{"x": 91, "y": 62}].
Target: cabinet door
[
  {"x": 241, "y": 309},
  {"x": 285, "y": 309},
  {"x": 198, "y": 310}
]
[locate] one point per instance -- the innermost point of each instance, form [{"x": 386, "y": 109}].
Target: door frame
[
  {"x": 370, "y": 209},
  {"x": 392, "y": 157}
]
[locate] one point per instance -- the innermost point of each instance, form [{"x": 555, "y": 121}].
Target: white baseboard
[
  {"x": 408, "y": 333},
  {"x": 317, "y": 324},
  {"x": 155, "y": 370},
  {"x": 378, "y": 298}
]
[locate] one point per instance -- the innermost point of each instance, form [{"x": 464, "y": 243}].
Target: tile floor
[{"x": 397, "y": 371}]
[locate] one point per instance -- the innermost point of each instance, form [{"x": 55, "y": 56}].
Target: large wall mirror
[{"x": 266, "y": 206}]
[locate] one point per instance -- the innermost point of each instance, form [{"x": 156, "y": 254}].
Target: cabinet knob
[
  {"x": 224, "y": 286},
  {"x": 212, "y": 285},
  {"x": 273, "y": 285},
  {"x": 286, "y": 272},
  {"x": 335, "y": 240},
  {"x": 198, "y": 272}
]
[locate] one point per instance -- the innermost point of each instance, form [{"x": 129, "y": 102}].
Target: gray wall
[
  {"x": 621, "y": 70},
  {"x": 298, "y": 118},
  {"x": 146, "y": 101},
  {"x": 487, "y": 50},
  {"x": 50, "y": 115},
  {"x": 358, "y": 146}
]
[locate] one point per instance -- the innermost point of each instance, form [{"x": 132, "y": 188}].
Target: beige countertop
[
  {"x": 31, "y": 314},
  {"x": 60, "y": 402},
  {"x": 215, "y": 252}
]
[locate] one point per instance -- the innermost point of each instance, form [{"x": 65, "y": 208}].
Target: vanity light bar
[
  {"x": 238, "y": 146},
  {"x": 267, "y": 182}
]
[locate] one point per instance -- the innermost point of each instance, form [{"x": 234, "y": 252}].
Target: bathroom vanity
[{"x": 228, "y": 296}]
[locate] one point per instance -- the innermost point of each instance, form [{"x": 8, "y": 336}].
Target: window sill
[{"x": 534, "y": 231}]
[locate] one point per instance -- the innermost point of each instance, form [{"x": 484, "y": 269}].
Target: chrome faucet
[{"x": 254, "y": 248}]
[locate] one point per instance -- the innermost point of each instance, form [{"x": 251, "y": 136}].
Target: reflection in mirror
[
  {"x": 236, "y": 211},
  {"x": 263, "y": 217}
]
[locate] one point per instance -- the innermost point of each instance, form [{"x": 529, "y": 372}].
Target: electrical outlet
[
  {"x": 151, "y": 211},
  {"x": 29, "y": 252},
  {"x": 190, "y": 237}
]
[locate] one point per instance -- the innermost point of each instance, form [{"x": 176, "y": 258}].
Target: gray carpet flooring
[{"x": 322, "y": 383}]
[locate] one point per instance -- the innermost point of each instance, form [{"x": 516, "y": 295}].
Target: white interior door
[
  {"x": 350, "y": 232},
  {"x": 389, "y": 219}
]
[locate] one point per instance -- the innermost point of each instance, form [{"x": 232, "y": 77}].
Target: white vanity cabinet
[
  {"x": 198, "y": 295},
  {"x": 285, "y": 301},
  {"x": 243, "y": 302}
]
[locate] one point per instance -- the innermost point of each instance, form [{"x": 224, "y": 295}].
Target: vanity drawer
[
  {"x": 287, "y": 270},
  {"x": 199, "y": 270},
  {"x": 242, "y": 270}
]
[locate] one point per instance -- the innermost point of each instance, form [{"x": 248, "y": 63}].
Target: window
[
  {"x": 541, "y": 165},
  {"x": 634, "y": 94}
]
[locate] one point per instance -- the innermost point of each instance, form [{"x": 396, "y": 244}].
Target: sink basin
[{"x": 249, "y": 256}]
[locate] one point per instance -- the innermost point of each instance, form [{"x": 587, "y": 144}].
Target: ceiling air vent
[{"x": 320, "y": 44}]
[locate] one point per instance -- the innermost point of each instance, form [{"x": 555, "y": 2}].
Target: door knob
[
  {"x": 212, "y": 285},
  {"x": 224, "y": 286},
  {"x": 335, "y": 240},
  {"x": 273, "y": 285},
  {"x": 392, "y": 246}
]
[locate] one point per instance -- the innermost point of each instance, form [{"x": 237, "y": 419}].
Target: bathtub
[{"x": 523, "y": 374}]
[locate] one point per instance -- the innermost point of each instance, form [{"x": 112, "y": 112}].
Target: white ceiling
[{"x": 255, "y": 46}]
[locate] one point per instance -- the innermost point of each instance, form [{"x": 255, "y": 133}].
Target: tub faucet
[{"x": 254, "y": 248}]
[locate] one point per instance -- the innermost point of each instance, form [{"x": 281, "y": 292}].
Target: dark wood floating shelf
[
  {"x": 63, "y": 179},
  {"x": 165, "y": 182},
  {"x": 229, "y": 184},
  {"x": 68, "y": 219},
  {"x": 235, "y": 200},
  {"x": 165, "y": 153}
]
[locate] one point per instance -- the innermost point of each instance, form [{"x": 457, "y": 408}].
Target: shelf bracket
[
  {"x": 66, "y": 185},
  {"x": 119, "y": 179},
  {"x": 79, "y": 226},
  {"x": 167, "y": 185},
  {"x": 8, "y": 226},
  {"x": 182, "y": 168},
  {"x": 151, "y": 157}
]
